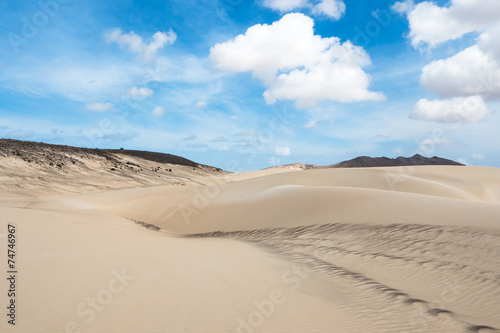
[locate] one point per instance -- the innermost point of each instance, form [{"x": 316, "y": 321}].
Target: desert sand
[{"x": 413, "y": 249}]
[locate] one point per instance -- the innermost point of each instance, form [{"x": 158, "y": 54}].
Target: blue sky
[{"x": 243, "y": 84}]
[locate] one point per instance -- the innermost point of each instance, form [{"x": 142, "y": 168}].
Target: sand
[{"x": 413, "y": 249}]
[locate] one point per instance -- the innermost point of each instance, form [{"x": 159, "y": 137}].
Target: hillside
[{"x": 35, "y": 168}]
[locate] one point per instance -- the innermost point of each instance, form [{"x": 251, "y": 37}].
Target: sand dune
[
  {"x": 430, "y": 195},
  {"x": 414, "y": 249}
]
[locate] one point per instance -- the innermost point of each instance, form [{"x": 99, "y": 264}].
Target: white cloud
[
  {"x": 432, "y": 25},
  {"x": 473, "y": 72},
  {"x": 488, "y": 41},
  {"x": 201, "y": 104},
  {"x": 331, "y": 8},
  {"x": 140, "y": 92},
  {"x": 282, "y": 151},
  {"x": 477, "y": 156},
  {"x": 295, "y": 64},
  {"x": 99, "y": 107},
  {"x": 460, "y": 109},
  {"x": 310, "y": 124},
  {"x": 470, "y": 72},
  {"x": 285, "y": 5},
  {"x": 274, "y": 161},
  {"x": 403, "y": 7},
  {"x": 158, "y": 112},
  {"x": 134, "y": 43}
]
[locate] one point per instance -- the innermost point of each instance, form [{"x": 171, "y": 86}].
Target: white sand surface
[{"x": 330, "y": 250}]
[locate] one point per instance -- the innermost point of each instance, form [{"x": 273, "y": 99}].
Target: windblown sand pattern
[
  {"x": 427, "y": 277},
  {"x": 334, "y": 250}
]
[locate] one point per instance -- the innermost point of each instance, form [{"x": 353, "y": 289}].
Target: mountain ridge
[{"x": 370, "y": 162}]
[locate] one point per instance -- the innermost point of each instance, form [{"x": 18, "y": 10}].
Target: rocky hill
[{"x": 35, "y": 168}]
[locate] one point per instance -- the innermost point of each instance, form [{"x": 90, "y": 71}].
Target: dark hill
[
  {"x": 366, "y": 162},
  {"x": 19, "y": 148}
]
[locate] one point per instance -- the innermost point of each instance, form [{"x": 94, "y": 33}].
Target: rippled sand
[{"x": 335, "y": 250}]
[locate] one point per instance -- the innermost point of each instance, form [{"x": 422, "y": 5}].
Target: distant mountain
[{"x": 367, "y": 162}]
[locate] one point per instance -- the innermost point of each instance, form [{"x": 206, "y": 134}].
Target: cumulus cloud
[
  {"x": 294, "y": 64},
  {"x": 140, "y": 92},
  {"x": 158, "y": 112},
  {"x": 403, "y": 7},
  {"x": 472, "y": 74},
  {"x": 488, "y": 41},
  {"x": 460, "y": 109},
  {"x": 333, "y": 9},
  {"x": 469, "y": 72},
  {"x": 285, "y": 5},
  {"x": 135, "y": 44},
  {"x": 282, "y": 151},
  {"x": 99, "y": 107},
  {"x": 431, "y": 24}
]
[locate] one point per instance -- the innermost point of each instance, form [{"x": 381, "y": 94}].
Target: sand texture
[{"x": 396, "y": 249}]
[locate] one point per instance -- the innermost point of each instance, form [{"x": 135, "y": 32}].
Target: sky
[{"x": 249, "y": 84}]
